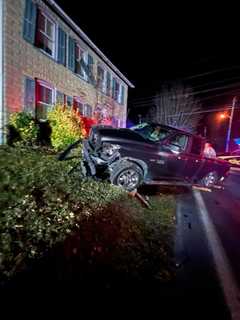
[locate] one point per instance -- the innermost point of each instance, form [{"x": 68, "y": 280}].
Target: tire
[
  {"x": 127, "y": 175},
  {"x": 210, "y": 179}
]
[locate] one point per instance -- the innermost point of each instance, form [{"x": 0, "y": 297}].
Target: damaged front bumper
[
  {"x": 86, "y": 151},
  {"x": 95, "y": 159}
]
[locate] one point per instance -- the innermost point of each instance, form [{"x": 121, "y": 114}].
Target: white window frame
[
  {"x": 53, "y": 55},
  {"x": 85, "y": 59},
  {"x": 42, "y": 84},
  {"x": 55, "y": 96},
  {"x": 85, "y": 110}
]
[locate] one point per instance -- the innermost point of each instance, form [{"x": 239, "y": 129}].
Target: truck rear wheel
[
  {"x": 210, "y": 179},
  {"x": 127, "y": 175}
]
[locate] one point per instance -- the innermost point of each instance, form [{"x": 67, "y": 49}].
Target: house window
[
  {"x": 84, "y": 65},
  {"x": 78, "y": 105},
  {"x": 45, "y": 98},
  {"x": 29, "y": 95},
  {"x": 88, "y": 111},
  {"x": 29, "y": 23},
  {"x": 78, "y": 68},
  {"x": 69, "y": 101},
  {"x": 60, "y": 98},
  {"x": 90, "y": 69},
  {"x": 45, "y": 34},
  {"x": 115, "y": 90},
  {"x": 100, "y": 78}
]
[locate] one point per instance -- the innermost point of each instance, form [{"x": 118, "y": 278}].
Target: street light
[{"x": 224, "y": 116}]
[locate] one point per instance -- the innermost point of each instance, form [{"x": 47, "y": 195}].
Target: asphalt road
[
  {"x": 224, "y": 210},
  {"x": 208, "y": 251}
]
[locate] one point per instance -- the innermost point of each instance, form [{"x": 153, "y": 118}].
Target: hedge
[{"x": 42, "y": 207}]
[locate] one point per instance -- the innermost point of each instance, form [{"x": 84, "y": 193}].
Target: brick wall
[{"x": 23, "y": 59}]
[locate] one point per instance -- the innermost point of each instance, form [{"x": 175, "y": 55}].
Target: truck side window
[
  {"x": 179, "y": 140},
  {"x": 196, "y": 146}
]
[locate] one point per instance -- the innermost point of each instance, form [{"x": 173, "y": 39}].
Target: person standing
[{"x": 209, "y": 151}]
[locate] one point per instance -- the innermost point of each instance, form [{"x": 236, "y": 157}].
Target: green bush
[
  {"x": 41, "y": 204},
  {"x": 25, "y": 126},
  {"x": 95, "y": 225},
  {"x": 66, "y": 127}
]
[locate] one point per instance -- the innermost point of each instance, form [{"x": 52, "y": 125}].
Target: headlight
[
  {"x": 109, "y": 149},
  {"x": 94, "y": 138}
]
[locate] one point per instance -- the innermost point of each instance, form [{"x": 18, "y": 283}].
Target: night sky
[{"x": 154, "y": 44}]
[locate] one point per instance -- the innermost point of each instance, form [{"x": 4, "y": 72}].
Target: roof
[{"x": 86, "y": 39}]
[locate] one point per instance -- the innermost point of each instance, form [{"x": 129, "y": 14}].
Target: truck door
[
  {"x": 174, "y": 149},
  {"x": 195, "y": 160}
]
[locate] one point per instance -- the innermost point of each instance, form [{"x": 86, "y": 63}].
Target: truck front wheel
[{"x": 127, "y": 175}]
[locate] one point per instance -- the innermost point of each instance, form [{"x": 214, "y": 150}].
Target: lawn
[{"x": 78, "y": 230}]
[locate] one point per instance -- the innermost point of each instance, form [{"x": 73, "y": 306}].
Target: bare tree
[{"x": 175, "y": 106}]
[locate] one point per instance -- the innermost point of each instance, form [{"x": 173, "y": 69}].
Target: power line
[
  {"x": 147, "y": 103},
  {"x": 205, "y": 111},
  {"x": 192, "y": 87},
  {"x": 213, "y": 82},
  {"x": 211, "y": 72},
  {"x": 192, "y": 93}
]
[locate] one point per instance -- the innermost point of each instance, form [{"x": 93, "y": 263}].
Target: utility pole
[{"x": 230, "y": 124}]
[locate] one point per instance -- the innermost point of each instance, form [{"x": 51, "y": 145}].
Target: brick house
[{"x": 45, "y": 58}]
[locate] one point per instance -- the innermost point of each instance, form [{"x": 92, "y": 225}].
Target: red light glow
[{"x": 222, "y": 116}]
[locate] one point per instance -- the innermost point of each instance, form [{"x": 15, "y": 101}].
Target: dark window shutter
[
  {"x": 62, "y": 46},
  {"x": 29, "y": 95},
  {"x": 90, "y": 63},
  {"x": 108, "y": 83},
  {"x": 69, "y": 101},
  {"x": 29, "y": 23},
  {"x": 71, "y": 54},
  {"x": 113, "y": 88},
  {"x": 122, "y": 94}
]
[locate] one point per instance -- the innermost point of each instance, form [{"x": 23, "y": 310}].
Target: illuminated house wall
[{"x": 48, "y": 59}]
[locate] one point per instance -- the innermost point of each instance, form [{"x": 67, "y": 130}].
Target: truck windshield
[{"x": 152, "y": 132}]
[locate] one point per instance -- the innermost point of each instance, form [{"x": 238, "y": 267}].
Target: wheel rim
[
  {"x": 210, "y": 179},
  {"x": 128, "y": 179}
]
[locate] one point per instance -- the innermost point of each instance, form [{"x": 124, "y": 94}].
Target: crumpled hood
[{"x": 108, "y": 133}]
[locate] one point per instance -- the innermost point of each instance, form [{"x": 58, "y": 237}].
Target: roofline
[{"x": 88, "y": 41}]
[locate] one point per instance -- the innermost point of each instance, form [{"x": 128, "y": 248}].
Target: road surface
[{"x": 208, "y": 249}]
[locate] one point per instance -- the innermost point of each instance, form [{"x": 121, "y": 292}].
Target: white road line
[{"x": 222, "y": 265}]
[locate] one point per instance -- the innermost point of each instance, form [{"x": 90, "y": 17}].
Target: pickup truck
[{"x": 150, "y": 154}]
